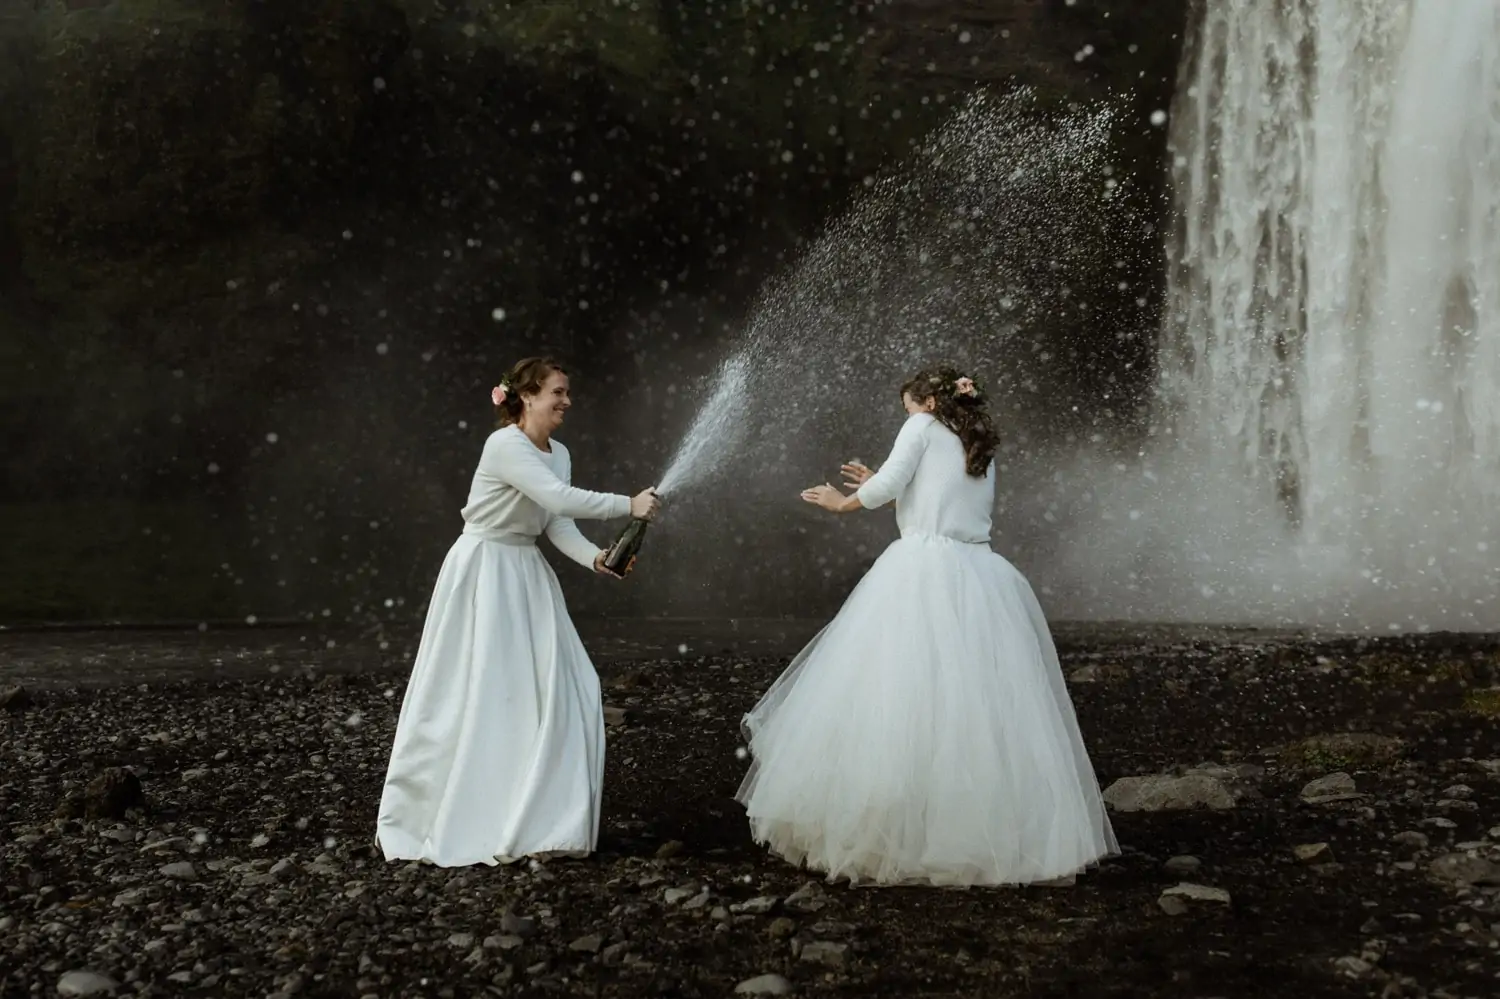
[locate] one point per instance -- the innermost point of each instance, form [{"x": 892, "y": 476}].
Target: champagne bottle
[{"x": 621, "y": 555}]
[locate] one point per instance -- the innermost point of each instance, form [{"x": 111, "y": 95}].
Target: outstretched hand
[
  {"x": 825, "y": 496},
  {"x": 855, "y": 473}
]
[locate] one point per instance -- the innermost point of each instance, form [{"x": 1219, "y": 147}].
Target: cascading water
[
  {"x": 1328, "y": 434},
  {"x": 1335, "y": 310}
]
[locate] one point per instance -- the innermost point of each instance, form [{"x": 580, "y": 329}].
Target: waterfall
[{"x": 1327, "y": 423}]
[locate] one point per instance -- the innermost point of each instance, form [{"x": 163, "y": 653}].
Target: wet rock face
[
  {"x": 201, "y": 203},
  {"x": 138, "y": 129},
  {"x": 145, "y": 127}
]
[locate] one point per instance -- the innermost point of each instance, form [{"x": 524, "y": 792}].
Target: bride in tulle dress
[
  {"x": 925, "y": 736},
  {"x": 499, "y": 748}
]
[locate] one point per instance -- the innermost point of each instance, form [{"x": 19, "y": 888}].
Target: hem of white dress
[
  {"x": 410, "y": 850},
  {"x": 1065, "y": 876}
]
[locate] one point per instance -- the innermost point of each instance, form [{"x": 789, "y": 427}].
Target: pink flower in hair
[
  {"x": 964, "y": 386},
  {"x": 498, "y": 393}
]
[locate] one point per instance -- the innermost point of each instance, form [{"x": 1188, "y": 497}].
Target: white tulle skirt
[
  {"x": 499, "y": 750},
  {"x": 926, "y": 735}
]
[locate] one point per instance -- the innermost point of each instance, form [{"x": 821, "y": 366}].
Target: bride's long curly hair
[{"x": 964, "y": 413}]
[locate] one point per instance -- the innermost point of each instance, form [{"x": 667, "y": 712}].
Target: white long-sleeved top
[
  {"x": 521, "y": 491},
  {"x": 934, "y": 495}
]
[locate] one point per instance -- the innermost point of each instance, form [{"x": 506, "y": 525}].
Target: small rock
[
  {"x": 1172, "y": 905},
  {"x": 615, "y": 717},
  {"x": 671, "y": 848},
  {"x": 1334, "y": 787},
  {"x": 825, "y": 952},
  {"x": 1185, "y": 864},
  {"x": 517, "y": 926},
  {"x": 1097, "y": 672},
  {"x": 756, "y": 906},
  {"x": 169, "y": 843},
  {"x": 1411, "y": 838},
  {"x": 15, "y": 698},
  {"x": 781, "y": 927},
  {"x": 1464, "y": 868},
  {"x": 108, "y": 796},
  {"x": 764, "y": 985},
  {"x": 85, "y": 983},
  {"x": 1457, "y": 805},
  {"x": 461, "y": 941},
  {"x": 614, "y": 953},
  {"x": 698, "y": 901},
  {"x": 183, "y": 870},
  {"x": 1228, "y": 772},
  {"x": 587, "y": 945},
  {"x": 259, "y": 840},
  {"x": 1313, "y": 853},
  {"x": 633, "y": 680},
  {"x": 809, "y": 898},
  {"x": 1165, "y": 792},
  {"x": 829, "y": 928},
  {"x": 284, "y": 869},
  {"x": 1189, "y": 892},
  {"x": 674, "y": 895},
  {"x": 1353, "y": 967}
]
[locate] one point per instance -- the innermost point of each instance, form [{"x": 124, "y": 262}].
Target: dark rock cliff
[{"x": 212, "y": 211}]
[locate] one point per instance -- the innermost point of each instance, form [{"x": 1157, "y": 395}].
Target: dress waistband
[
  {"x": 931, "y": 536},
  {"x": 511, "y": 538}
]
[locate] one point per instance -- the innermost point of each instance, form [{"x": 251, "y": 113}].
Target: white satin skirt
[
  {"x": 925, "y": 736},
  {"x": 499, "y": 749}
]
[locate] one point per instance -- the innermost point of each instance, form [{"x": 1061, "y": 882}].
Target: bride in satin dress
[
  {"x": 925, "y": 736},
  {"x": 499, "y": 749}
]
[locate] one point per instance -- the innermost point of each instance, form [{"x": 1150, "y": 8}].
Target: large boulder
[{"x": 1166, "y": 792}]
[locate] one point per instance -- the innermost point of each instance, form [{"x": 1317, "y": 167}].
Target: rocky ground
[{"x": 1315, "y": 819}]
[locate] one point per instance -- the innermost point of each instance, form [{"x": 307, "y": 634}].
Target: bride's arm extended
[
  {"x": 886, "y": 484},
  {"x": 513, "y": 459},
  {"x": 565, "y": 536}
]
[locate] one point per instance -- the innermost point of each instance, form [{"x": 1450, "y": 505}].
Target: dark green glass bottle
[{"x": 621, "y": 555}]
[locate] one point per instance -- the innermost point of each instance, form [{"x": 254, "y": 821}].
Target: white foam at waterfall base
[{"x": 1327, "y": 445}]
